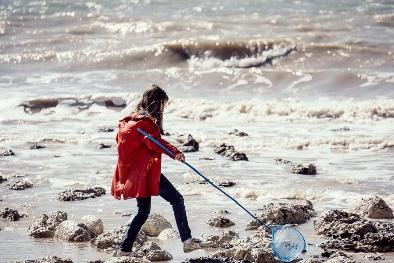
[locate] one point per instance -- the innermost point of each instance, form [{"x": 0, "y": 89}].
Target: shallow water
[{"x": 291, "y": 75}]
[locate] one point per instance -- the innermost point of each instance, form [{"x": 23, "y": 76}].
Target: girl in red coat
[{"x": 138, "y": 171}]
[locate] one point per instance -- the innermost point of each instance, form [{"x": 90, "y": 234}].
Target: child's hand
[{"x": 180, "y": 157}]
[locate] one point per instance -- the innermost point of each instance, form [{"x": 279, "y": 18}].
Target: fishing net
[{"x": 287, "y": 243}]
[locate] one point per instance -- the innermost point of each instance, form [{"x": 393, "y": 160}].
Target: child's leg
[
  {"x": 135, "y": 226},
  {"x": 170, "y": 194}
]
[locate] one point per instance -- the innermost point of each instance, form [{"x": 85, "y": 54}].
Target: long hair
[{"x": 150, "y": 105}]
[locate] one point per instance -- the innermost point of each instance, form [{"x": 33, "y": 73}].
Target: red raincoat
[{"x": 138, "y": 170}]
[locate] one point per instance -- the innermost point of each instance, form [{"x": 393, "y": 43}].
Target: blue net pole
[{"x": 150, "y": 137}]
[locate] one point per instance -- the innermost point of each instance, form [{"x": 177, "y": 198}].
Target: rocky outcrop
[
  {"x": 45, "y": 226},
  {"x": 10, "y": 214},
  {"x": 222, "y": 240},
  {"x": 126, "y": 260},
  {"x": 188, "y": 143},
  {"x": 226, "y": 183},
  {"x": 80, "y": 194},
  {"x": 7, "y": 152},
  {"x": 103, "y": 146},
  {"x": 2, "y": 179},
  {"x": 229, "y": 151},
  {"x": 298, "y": 168},
  {"x": 168, "y": 233},
  {"x": 37, "y": 146},
  {"x": 94, "y": 224},
  {"x": 153, "y": 252},
  {"x": 248, "y": 254},
  {"x": 238, "y": 133},
  {"x": 19, "y": 185},
  {"x": 72, "y": 231},
  {"x": 210, "y": 260},
  {"x": 105, "y": 129},
  {"x": 155, "y": 224},
  {"x": 374, "y": 207},
  {"x": 349, "y": 231},
  {"x": 220, "y": 221},
  {"x": 221, "y": 212},
  {"x": 284, "y": 213},
  {"x": 111, "y": 240},
  {"x": 255, "y": 248},
  {"x": 46, "y": 260}
]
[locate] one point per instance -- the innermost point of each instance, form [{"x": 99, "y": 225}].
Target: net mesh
[{"x": 287, "y": 243}]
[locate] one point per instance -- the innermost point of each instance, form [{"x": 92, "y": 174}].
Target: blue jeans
[{"x": 170, "y": 194}]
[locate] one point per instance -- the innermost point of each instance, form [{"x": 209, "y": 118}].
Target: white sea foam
[{"x": 254, "y": 109}]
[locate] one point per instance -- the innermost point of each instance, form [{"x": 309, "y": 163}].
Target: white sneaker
[{"x": 193, "y": 245}]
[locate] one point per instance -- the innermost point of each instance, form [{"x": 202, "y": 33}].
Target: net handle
[{"x": 150, "y": 137}]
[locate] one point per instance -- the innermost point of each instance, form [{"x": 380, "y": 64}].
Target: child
[{"x": 138, "y": 172}]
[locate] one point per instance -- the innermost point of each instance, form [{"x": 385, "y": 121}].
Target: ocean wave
[
  {"x": 353, "y": 143},
  {"x": 287, "y": 109},
  {"x": 80, "y": 103},
  {"x": 385, "y": 19},
  {"x": 135, "y": 26},
  {"x": 247, "y": 53},
  {"x": 202, "y": 109}
]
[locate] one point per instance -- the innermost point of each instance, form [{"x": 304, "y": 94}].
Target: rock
[
  {"x": 10, "y": 214},
  {"x": 126, "y": 260},
  {"x": 37, "y": 146},
  {"x": 209, "y": 260},
  {"x": 341, "y": 129},
  {"x": 72, "y": 231},
  {"x": 374, "y": 207},
  {"x": 80, "y": 194},
  {"x": 221, "y": 212},
  {"x": 105, "y": 129},
  {"x": 310, "y": 260},
  {"x": 206, "y": 158},
  {"x": 45, "y": 226},
  {"x": 8, "y": 152},
  {"x": 220, "y": 221},
  {"x": 94, "y": 224},
  {"x": 348, "y": 231},
  {"x": 249, "y": 254},
  {"x": 2, "y": 179},
  {"x": 153, "y": 252},
  {"x": 223, "y": 240},
  {"x": 255, "y": 248},
  {"x": 229, "y": 151},
  {"x": 307, "y": 169},
  {"x": 112, "y": 240},
  {"x": 46, "y": 260},
  {"x": 188, "y": 144},
  {"x": 168, "y": 233},
  {"x": 148, "y": 246},
  {"x": 226, "y": 183},
  {"x": 238, "y": 133},
  {"x": 103, "y": 146},
  {"x": 155, "y": 224},
  {"x": 284, "y": 213},
  {"x": 374, "y": 257},
  {"x": 19, "y": 185},
  {"x": 340, "y": 257}
]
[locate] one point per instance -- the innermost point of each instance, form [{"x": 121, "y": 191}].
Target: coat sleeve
[{"x": 149, "y": 128}]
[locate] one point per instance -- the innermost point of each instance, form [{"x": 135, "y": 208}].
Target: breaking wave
[
  {"x": 385, "y": 19},
  {"x": 243, "y": 54},
  {"x": 202, "y": 109}
]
